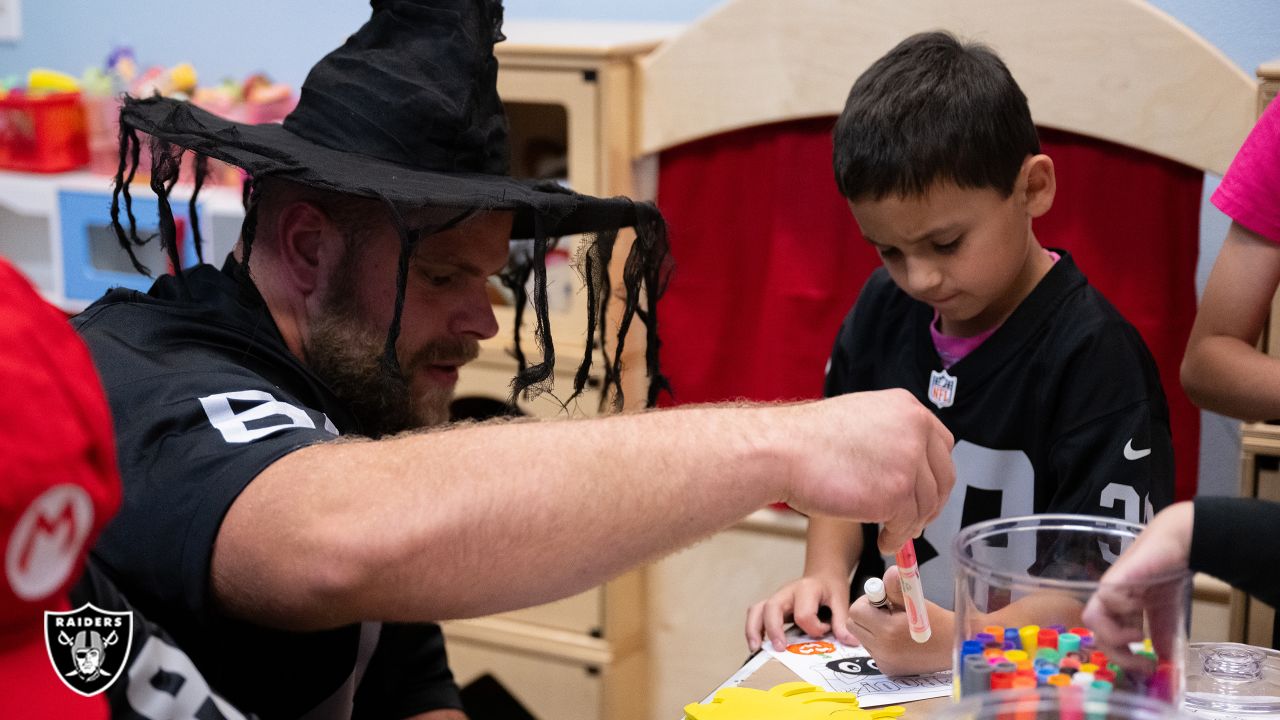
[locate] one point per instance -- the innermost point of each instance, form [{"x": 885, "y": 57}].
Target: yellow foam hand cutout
[{"x": 788, "y": 701}]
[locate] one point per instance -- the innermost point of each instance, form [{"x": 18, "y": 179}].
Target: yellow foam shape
[
  {"x": 51, "y": 80},
  {"x": 793, "y": 701}
]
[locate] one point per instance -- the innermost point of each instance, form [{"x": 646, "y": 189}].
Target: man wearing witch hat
[{"x": 279, "y": 520}]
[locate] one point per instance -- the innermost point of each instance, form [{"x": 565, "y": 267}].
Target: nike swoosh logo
[{"x": 1131, "y": 454}]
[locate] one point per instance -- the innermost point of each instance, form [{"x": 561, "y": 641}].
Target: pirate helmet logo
[{"x": 88, "y": 646}]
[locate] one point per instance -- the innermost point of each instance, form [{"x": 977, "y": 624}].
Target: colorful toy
[
  {"x": 43, "y": 80},
  {"x": 1031, "y": 656}
]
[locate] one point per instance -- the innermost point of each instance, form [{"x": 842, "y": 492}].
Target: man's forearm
[
  {"x": 483, "y": 519},
  {"x": 475, "y": 520}
]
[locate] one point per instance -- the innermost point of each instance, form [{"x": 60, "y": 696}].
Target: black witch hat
[{"x": 407, "y": 112}]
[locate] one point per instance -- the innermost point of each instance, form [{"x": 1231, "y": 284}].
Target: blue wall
[{"x": 238, "y": 37}]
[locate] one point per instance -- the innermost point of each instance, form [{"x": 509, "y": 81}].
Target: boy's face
[{"x": 968, "y": 253}]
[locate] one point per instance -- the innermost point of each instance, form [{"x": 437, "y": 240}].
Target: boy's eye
[
  {"x": 887, "y": 252},
  {"x": 947, "y": 248}
]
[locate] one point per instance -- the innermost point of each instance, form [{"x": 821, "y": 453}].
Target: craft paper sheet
[{"x": 828, "y": 663}]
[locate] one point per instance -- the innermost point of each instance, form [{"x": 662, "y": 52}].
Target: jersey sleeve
[
  {"x": 1222, "y": 527},
  {"x": 189, "y": 442},
  {"x": 1111, "y": 450},
  {"x": 159, "y": 678},
  {"x": 846, "y": 367}
]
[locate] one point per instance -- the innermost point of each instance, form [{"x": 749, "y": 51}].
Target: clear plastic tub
[
  {"x": 1028, "y": 580},
  {"x": 1233, "y": 678},
  {"x": 1068, "y": 703}
]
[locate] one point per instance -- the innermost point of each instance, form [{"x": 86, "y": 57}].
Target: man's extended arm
[{"x": 482, "y": 519}]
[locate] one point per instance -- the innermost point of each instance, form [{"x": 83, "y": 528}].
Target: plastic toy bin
[
  {"x": 45, "y": 133},
  {"x": 1065, "y": 703},
  {"x": 1028, "y": 579},
  {"x": 92, "y": 259}
]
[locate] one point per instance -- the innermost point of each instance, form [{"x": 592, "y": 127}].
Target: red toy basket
[{"x": 44, "y": 133}]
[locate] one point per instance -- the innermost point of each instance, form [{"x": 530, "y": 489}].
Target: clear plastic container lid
[{"x": 1235, "y": 678}]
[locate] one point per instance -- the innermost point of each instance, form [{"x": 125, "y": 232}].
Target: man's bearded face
[{"x": 345, "y": 350}]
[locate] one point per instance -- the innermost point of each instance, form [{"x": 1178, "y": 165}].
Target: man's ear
[
  {"x": 1039, "y": 184},
  {"x": 308, "y": 246}
]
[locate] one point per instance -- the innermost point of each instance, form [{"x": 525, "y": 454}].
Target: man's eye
[
  {"x": 887, "y": 252},
  {"x": 438, "y": 277}
]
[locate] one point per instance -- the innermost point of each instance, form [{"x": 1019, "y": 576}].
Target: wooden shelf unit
[{"x": 568, "y": 86}]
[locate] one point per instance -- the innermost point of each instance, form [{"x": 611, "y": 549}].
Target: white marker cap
[{"x": 874, "y": 588}]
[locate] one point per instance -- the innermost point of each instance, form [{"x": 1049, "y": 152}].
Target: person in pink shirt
[{"x": 1223, "y": 370}]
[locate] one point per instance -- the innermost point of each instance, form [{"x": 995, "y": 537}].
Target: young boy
[{"x": 1052, "y": 397}]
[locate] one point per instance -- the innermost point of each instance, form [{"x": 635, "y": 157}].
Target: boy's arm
[
  {"x": 832, "y": 547},
  {"x": 1223, "y": 370},
  {"x": 831, "y": 551}
]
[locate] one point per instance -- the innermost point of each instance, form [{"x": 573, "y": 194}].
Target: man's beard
[{"x": 347, "y": 356}]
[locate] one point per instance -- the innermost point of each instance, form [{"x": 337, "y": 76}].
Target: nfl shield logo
[
  {"x": 88, "y": 646},
  {"x": 942, "y": 388}
]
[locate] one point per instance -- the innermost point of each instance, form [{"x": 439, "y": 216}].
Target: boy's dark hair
[{"x": 932, "y": 109}]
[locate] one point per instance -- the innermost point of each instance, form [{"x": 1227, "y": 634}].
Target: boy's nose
[{"x": 922, "y": 276}]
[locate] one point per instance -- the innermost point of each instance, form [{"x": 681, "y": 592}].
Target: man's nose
[{"x": 474, "y": 315}]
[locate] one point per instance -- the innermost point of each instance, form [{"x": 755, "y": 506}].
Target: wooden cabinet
[
  {"x": 568, "y": 89},
  {"x": 698, "y": 600},
  {"x": 1269, "y": 74}
]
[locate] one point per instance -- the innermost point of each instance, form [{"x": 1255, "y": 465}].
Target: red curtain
[{"x": 769, "y": 260}]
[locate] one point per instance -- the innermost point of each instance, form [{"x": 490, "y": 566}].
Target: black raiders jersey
[
  {"x": 158, "y": 680},
  {"x": 1060, "y": 410},
  {"x": 205, "y": 396}
]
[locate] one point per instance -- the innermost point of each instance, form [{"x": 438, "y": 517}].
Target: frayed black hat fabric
[{"x": 407, "y": 111}]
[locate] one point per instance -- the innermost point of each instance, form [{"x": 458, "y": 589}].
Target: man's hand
[
  {"x": 886, "y": 635},
  {"x": 800, "y": 600},
  {"x": 872, "y": 457}
]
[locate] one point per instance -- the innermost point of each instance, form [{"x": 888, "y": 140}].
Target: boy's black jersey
[
  {"x": 205, "y": 396},
  {"x": 1060, "y": 410}
]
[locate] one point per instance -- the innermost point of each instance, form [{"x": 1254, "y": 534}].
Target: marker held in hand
[{"x": 913, "y": 592}]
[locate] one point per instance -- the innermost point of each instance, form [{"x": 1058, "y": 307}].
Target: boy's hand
[
  {"x": 885, "y": 634},
  {"x": 799, "y": 600}
]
